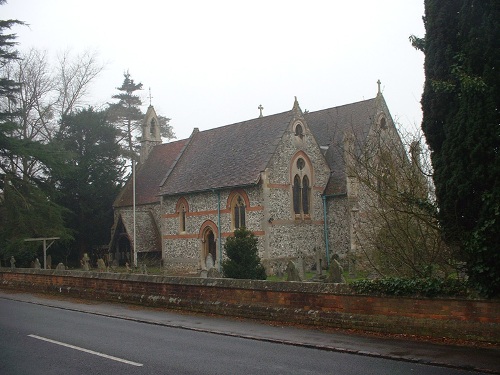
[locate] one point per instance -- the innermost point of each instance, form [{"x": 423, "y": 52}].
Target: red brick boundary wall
[{"x": 332, "y": 305}]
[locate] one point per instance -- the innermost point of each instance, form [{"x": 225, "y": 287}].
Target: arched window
[
  {"x": 239, "y": 212},
  {"x": 182, "y": 219},
  {"x": 299, "y": 132},
  {"x": 152, "y": 127},
  {"x": 296, "y": 195},
  {"x": 182, "y": 209},
  {"x": 301, "y": 180},
  {"x": 305, "y": 195}
]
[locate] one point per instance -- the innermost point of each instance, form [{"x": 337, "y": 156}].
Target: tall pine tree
[
  {"x": 127, "y": 116},
  {"x": 461, "y": 125}
]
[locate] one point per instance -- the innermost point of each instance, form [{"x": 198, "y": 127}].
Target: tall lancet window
[
  {"x": 305, "y": 195},
  {"x": 302, "y": 172},
  {"x": 239, "y": 212},
  {"x": 152, "y": 128},
  {"x": 296, "y": 195}
]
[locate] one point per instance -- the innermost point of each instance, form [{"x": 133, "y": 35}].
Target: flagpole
[{"x": 133, "y": 203}]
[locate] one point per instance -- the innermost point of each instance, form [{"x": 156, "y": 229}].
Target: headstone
[
  {"x": 319, "y": 265},
  {"x": 85, "y": 262},
  {"x": 37, "y": 264},
  {"x": 101, "y": 266},
  {"x": 209, "y": 262},
  {"x": 12, "y": 262},
  {"x": 292, "y": 274},
  {"x": 60, "y": 266},
  {"x": 214, "y": 273},
  {"x": 300, "y": 266},
  {"x": 203, "y": 274},
  {"x": 49, "y": 262},
  {"x": 335, "y": 271}
]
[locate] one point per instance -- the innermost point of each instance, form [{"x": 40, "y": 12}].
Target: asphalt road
[{"x": 37, "y": 339}]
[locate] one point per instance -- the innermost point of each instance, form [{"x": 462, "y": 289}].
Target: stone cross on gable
[
  {"x": 378, "y": 84},
  {"x": 150, "y": 97},
  {"x": 260, "y": 107}
]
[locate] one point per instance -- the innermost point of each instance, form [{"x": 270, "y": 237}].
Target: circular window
[{"x": 301, "y": 163}]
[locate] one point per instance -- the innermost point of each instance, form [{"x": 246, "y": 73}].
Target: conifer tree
[
  {"x": 461, "y": 125},
  {"x": 127, "y": 114},
  {"x": 243, "y": 261}
]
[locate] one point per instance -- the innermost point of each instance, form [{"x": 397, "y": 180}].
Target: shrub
[{"x": 242, "y": 261}]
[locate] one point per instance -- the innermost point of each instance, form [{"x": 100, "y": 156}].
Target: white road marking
[{"x": 86, "y": 350}]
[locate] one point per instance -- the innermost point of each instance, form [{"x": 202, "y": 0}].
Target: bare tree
[
  {"x": 396, "y": 223},
  {"x": 73, "y": 79}
]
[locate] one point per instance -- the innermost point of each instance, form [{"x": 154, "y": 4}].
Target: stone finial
[
  {"x": 378, "y": 84},
  {"x": 260, "y": 108}
]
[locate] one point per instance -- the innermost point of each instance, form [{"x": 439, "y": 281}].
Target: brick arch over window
[
  {"x": 182, "y": 208},
  {"x": 301, "y": 179},
  {"x": 237, "y": 203}
]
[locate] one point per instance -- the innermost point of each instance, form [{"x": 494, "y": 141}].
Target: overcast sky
[{"x": 212, "y": 63}]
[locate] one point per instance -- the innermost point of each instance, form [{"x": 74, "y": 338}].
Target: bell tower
[{"x": 150, "y": 133}]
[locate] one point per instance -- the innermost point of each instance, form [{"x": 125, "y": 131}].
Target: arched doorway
[{"x": 210, "y": 246}]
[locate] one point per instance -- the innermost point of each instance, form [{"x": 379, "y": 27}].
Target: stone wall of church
[
  {"x": 289, "y": 237},
  {"x": 183, "y": 252},
  {"x": 147, "y": 219}
]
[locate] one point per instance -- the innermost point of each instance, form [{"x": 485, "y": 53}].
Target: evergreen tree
[
  {"x": 127, "y": 115},
  {"x": 461, "y": 125},
  {"x": 90, "y": 182},
  {"x": 243, "y": 261}
]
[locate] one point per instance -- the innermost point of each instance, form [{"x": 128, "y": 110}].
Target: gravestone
[
  {"x": 214, "y": 273},
  {"x": 101, "y": 266},
  {"x": 61, "y": 266},
  {"x": 85, "y": 262},
  {"x": 335, "y": 271},
  {"x": 203, "y": 274},
  {"x": 209, "y": 262},
  {"x": 300, "y": 266},
  {"x": 292, "y": 274},
  {"x": 37, "y": 264},
  {"x": 12, "y": 262}
]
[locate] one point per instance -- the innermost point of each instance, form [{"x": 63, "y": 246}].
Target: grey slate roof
[
  {"x": 150, "y": 174},
  {"x": 228, "y": 156},
  {"x": 329, "y": 126},
  {"x": 235, "y": 155}
]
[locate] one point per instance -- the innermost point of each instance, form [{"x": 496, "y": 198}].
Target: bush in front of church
[{"x": 242, "y": 261}]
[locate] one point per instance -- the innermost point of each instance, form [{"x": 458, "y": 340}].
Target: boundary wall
[{"x": 332, "y": 305}]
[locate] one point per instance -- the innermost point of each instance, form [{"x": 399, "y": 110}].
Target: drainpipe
[
  {"x": 325, "y": 231},
  {"x": 219, "y": 232}
]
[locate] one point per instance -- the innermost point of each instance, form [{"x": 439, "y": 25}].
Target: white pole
[{"x": 133, "y": 203}]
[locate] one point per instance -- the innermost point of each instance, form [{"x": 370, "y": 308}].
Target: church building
[{"x": 284, "y": 176}]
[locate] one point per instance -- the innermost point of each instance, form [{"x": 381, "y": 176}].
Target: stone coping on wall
[{"x": 278, "y": 286}]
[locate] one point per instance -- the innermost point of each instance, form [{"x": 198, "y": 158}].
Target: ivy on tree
[
  {"x": 461, "y": 125},
  {"x": 242, "y": 261}
]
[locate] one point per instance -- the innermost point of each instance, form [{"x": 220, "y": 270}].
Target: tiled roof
[
  {"x": 235, "y": 155},
  {"x": 150, "y": 175},
  {"x": 330, "y": 125},
  {"x": 228, "y": 156}
]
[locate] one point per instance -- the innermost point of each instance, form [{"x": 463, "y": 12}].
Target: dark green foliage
[
  {"x": 127, "y": 115},
  {"x": 243, "y": 261},
  {"x": 461, "y": 125},
  {"x": 89, "y": 183},
  {"x": 393, "y": 286}
]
